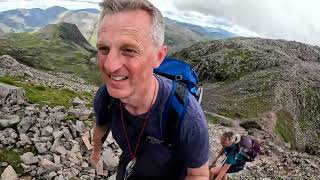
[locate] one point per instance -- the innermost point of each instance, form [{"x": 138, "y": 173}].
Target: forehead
[
  {"x": 223, "y": 138},
  {"x": 133, "y": 22}
]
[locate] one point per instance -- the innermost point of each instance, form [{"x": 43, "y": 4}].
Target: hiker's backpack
[
  {"x": 249, "y": 148},
  {"x": 185, "y": 81},
  {"x": 182, "y": 72}
]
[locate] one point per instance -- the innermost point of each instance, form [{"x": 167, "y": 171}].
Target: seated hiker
[
  {"x": 234, "y": 161},
  {"x": 158, "y": 124}
]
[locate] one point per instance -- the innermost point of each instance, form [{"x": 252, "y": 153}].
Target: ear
[{"x": 161, "y": 54}]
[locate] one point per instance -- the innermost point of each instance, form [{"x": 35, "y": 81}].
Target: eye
[
  {"x": 103, "y": 50},
  {"x": 129, "y": 52}
]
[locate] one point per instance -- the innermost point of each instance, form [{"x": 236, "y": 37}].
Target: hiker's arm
[
  {"x": 201, "y": 173},
  {"x": 223, "y": 171},
  {"x": 100, "y": 134},
  {"x": 194, "y": 144},
  {"x": 217, "y": 157}
]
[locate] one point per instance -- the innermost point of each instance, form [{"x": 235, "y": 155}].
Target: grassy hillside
[{"x": 53, "y": 54}]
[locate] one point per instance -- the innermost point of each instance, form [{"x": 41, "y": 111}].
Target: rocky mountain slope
[
  {"x": 249, "y": 78},
  {"x": 86, "y": 21},
  {"x": 41, "y": 140},
  {"x": 179, "y": 35},
  {"x": 276, "y": 162},
  {"x": 66, "y": 32},
  {"x": 59, "y": 48}
]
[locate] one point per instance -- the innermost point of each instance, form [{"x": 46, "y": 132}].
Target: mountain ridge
[
  {"x": 245, "y": 78},
  {"x": 178, "y": 34}
]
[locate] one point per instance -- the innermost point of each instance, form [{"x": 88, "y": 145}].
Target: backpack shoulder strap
[{"x": 174, "y": 112}]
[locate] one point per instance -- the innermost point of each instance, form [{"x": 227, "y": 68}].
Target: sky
[{"x": 297, "y": 20}]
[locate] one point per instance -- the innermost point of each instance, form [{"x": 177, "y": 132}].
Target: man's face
[{"x": 127, "y": 54}]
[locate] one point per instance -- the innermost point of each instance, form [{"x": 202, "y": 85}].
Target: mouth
[{"x": 118, "y": 78}]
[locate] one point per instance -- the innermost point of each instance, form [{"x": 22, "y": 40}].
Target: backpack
[
  {"x": 185, "y": 81},
  {"x": 183, "y": 73},
  {"x": 249, "y": 148}
]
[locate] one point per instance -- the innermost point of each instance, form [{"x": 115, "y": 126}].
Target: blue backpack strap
[{"x": 174, "y": 113}]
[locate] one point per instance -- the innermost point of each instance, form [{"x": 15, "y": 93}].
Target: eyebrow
[
  {"x": 100, "y": 45},
  {"x": 130, "y": 45}
]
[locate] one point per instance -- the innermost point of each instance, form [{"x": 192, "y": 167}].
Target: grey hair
[{"x": 110, "y": 7}]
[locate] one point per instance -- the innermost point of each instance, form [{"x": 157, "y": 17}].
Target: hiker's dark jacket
[{"x": 157, "y": 161}]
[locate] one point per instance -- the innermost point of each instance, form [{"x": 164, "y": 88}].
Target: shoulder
[
  {"x": 100, "y": 96},
  {"x": 165, "y": 84},
  {"x": 100, "y": 103},
  {"x": 102, "y": 90},
  {"x": 194, "y": 137},
  {"x": 194, "y": 114}
]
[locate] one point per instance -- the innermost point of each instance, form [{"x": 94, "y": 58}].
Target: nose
[{"x": 111, "y": 62}]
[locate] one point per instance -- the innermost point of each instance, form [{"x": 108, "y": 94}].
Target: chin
[{"x": 118, "y": 93}]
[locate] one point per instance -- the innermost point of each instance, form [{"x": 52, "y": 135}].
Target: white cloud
[
  {"x": 28, "y": 4},
  {"x": 169, "y": 9},
  {"x": 286, "y": 19}
]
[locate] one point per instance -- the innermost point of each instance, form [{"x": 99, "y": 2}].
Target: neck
[{"x": 142, "y": 101}]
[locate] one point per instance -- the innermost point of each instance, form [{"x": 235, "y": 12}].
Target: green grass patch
[
  {"x": 42, "y": 95},
  {"x": 230, "y": 114},
  {"x": 248, "y": 108},
  {"x": 7, "y": 80},
  {"x": 235, "y": 65},
  {"x": 284, "y": 127},
  {"x": 238, "y": 54},
  {"x": 11, "y": 79},
  {"x": 71, "y": 118},
  {"x": 212, "y": 119},
  {"x": 253, "y": 107},
  {"x": 89, "y": 123},
  {"x": 93, "y": 38},
  {"x": 12, "y": 157},
  {"x": 302, "y": 123}
]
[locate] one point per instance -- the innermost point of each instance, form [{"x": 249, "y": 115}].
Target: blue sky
[{"x": 286, "y": 19}]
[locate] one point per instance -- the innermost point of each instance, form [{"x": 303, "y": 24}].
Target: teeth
[{"x": 118, "y": 78}]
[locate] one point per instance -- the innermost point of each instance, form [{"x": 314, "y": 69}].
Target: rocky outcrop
[
  {"x": 11, "y": 67},
  {"x": 61, "y": 147},
  {"x": 9, "y": 174},
  {"x": 9, "y": 120},
  {"x": 248, "y": 77},
  {"x": 11, "y": 95},
  {"x": 65, "y": 31}
]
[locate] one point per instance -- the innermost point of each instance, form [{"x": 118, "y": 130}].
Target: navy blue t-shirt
[{"x": 156, "y": 161}]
